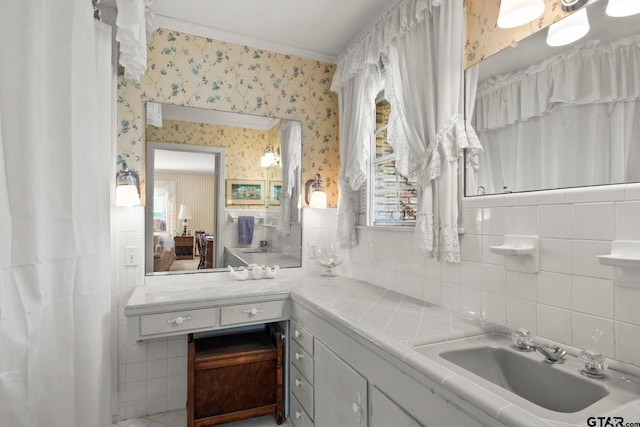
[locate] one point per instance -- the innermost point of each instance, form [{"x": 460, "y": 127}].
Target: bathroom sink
[
  {"x": 531, "y": 379},
  {"x": 549, "y": 391}
]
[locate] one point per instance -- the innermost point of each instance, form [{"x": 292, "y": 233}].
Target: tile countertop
[{"x": 390, "y": 321}]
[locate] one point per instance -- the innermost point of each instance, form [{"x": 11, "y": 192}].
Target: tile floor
[{"x": 178, "y": 418}]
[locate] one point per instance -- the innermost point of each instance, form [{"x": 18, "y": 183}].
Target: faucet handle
[
  {"x": 593, "y": 364},
  {"x": 522, "y": 340}
]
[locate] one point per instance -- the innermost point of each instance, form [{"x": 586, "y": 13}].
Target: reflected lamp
[
  {"x": 620, "y": 8},
  {"x": 270, "y": 157},
  {"x": 569, "y": 29},
  {"x": 184, "y": 215}
]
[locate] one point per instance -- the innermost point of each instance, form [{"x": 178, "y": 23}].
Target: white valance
[
  {"x": 590, "y": 73},
  {"x": 374, "y": 44}
]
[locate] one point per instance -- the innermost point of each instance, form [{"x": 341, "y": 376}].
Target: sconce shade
[
  {"x": 185, "y": 212},
  {"x": 620, "y": 8},
  {"x": 270, "y": 157},
  {"x": 569, "y": 29},
  {"x": 127, "y": 195},
  {"x": 127, "y": 191},
  {"x": 514, "y": 13},
  {"x": 318, "y": 200}
]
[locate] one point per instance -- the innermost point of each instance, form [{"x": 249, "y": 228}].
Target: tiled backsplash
[{"x": 571, "y": 300}]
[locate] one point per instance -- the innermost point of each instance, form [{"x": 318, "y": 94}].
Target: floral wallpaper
[
  {"x": 243, "y": 147},
  {"x": 484, "y": 38},
  {"x": 184, "y": 69}
]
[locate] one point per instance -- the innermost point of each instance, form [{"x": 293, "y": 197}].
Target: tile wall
[{"x": 571, "y": 300}]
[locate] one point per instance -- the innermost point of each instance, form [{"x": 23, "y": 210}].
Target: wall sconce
[
  {"x": 514, "y": 13},
  {"x": 184, "y": 215},
  {"x": 620, "y": 8},
  {"x": 127, "y": 187},
  {"x": 569, "y": 29},
  {"x": 571, "y": 5},
  {"x": 314, "y": 195},
  {"x": 270, "y": 156}
]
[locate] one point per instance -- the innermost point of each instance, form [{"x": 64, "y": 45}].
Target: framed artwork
[
  {"x": 275, "y": 187},
  {"x": 245, "y": 192}
]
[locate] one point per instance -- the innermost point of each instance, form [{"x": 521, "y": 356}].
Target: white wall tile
[
  {"x": 548, "y": 197},
  {"x": 602, "y": 193},
  {"x": 136, "y": 352},
  {"x": 472, "y": 220},
  {"x": 593, "y": 296},
  {"x": 471, "y": 248},
  {"x": 449, "y": 273},
  {"x": 496, "y": 200},
  {"x": 594, "y": 221},
  {"x": 522, "y": 314},
  {"x": 554, "y": 323},
  {"x": 627, "y": 305},
  {"x": 134, "y": 391},
  {"x": 494, "y": 221},
  {"x": 494, "y": 278},
  {"x": 431, "y": 291},
  {"x": 555, "y": 221},
  {"x": 471, "y": 301},
  {"x": 177, "y": 366},
  {"x": 471, "y": 275},
  {"x": 594, "y": 333},
  {"x": 472, "y": 202},
  {"x": 494, "y": 308},
  {"x": 632, "y": 192},
  {"x": 556, "y": 255},
  {"x": 450, "y": 296},
  {"x": 158, "y": 349},
  {"x": 628, "y": 221},
  {"x": 136, "y": 372},
  {"x": 627, "y": 339},
  {"x": 585, "y": 259},
  {"x": 157, "y": 369},
  {"x": 523, "y": 220},
  {"x": 156, "y": 405},
  {"x": 554, "y": 289},
  {"x": 522, "y": 285},
  {"x": 157, "y": 387}
]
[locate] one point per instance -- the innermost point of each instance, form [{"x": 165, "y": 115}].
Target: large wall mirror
[
  {"x": 558, "y": 117},
  {"x": 221, "y": 189}
]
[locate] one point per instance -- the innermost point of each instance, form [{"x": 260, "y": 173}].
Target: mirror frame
[{"x": 219, "y": 154}]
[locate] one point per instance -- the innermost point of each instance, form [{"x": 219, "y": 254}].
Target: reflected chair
[{"x": 201, "y": 244}]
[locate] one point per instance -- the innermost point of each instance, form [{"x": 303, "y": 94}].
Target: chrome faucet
[{"x": 552, "y": 354}]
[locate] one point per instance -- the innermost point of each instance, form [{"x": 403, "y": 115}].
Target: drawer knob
[
  {"x": 299, "y": 356},
  {"x": 298, "y": 383},
  {"x": 298, "y": 414},
  {"x": 252, "y": 312},
  {"x": 297, "y": 334},
  {"x": 178, "y": 320}
]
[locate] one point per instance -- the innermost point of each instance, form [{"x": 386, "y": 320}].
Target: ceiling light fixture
[
  {"x": 620, "y": 8},
  {"x": 514, "y": 13},
  {"x": 569, "y": 29}
]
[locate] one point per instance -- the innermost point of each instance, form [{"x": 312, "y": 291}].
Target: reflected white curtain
[
  {"x": 56, "y": 172},
  {"x": 166, "y": 192},
  {"x": 135, "y": 22},
  {"x": 426, "y": 129},
  {"x": 571, "y": 120},
  {"x": 290, "y": 158}
]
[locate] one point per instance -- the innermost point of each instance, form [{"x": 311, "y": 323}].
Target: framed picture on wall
[
  {"x": 245, "y": 192},
  {"x": 275, "y": 187}
]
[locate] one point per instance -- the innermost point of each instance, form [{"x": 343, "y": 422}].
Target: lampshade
[
  {"x": 127, "y": 195},
  {"x": 568, "y": 30},
  {"x": 514, "y": 13},
  {"x": 267, "y": 160},
  {"x": 185, "y": 212},
  {"x": 619, "y": 8},
  {"x": 318, "y": 200}
]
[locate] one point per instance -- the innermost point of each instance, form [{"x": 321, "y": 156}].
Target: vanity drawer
[
  {"x": 299, "y": 415},
  {"x": 251, "y": 313},
  {"x": 302, "y": 337},
  {"x": 153, "y": 324},
  {"x": 302, "y": 360},
  {"x": 301, "y": 389}
]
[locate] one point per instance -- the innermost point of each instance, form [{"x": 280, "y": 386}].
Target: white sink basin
[{"x": 549, "y": 391}]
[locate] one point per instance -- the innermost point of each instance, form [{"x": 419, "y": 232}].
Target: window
[{"x": 392, "y": 198}]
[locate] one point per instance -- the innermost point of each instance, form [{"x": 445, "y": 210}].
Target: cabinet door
[
  {"x": 340, "y": 392},
  {"x": 385, "y": 412}
]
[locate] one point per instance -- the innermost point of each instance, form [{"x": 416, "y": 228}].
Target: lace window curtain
[
  {"x": 290, "y": 155},
  {"x": 583, "y": 131}
]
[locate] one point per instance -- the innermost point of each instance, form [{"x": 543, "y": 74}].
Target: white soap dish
[
  {"x": 625, "y": 260},
  {"x": 521, "y": 253}
]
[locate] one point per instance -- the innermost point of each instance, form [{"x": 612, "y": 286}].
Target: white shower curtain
[{"x": 56, "y": 172}]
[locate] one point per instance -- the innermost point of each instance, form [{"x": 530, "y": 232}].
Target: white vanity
[{"x": 351, "y": 350}]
